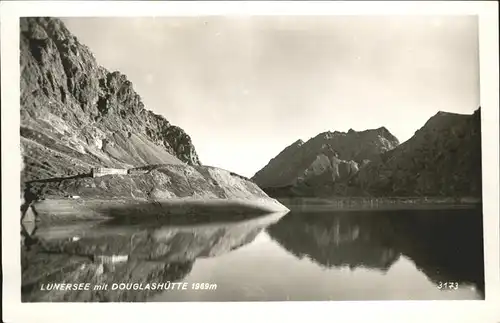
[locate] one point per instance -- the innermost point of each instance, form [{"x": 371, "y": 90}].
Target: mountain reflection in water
[
  {"x": 445, "y": 244},
  {"x": 337, "y": 255},
  {"x": 146, "y": 252}
]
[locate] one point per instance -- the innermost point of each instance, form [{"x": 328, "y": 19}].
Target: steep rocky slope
[
  {"x": 75, "y": 114},
  {"x": 443, "y": 158},
  {"x": 329, "y": 157}
]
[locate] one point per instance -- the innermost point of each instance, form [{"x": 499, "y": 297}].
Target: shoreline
[
  {"x": 84, "y": 209},
  {"x": 379, "y": 203}
]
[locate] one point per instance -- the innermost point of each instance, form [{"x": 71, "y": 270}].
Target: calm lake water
[{"x": 300, "y": 256}]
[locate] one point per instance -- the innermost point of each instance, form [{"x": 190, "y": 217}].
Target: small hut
[{"x": 101, "y": 171}]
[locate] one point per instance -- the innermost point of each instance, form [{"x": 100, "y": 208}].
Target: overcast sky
[{"x": 245, "y": 88}]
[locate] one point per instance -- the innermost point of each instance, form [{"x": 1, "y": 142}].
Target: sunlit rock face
[
  {"x": 330, "y": 157},
  {"x": 111, "y": 252},
  {"x": 75, "y": 114}
]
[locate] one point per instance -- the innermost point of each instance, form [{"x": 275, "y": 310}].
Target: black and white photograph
[{"x": 251, "y": 158}]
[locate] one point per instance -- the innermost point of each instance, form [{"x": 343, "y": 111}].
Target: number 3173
[{"x": 448, "y": 285}]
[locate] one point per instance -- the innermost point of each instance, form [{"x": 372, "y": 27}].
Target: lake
[{"x": 305, "y": 255}]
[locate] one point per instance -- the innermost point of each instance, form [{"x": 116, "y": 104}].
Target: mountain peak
[
  {"x": 442, "y": 158},
  {"x": 441, "y": 113},
  {"x": 324, "y": 153},
  {"x": 299, "y": 142}
]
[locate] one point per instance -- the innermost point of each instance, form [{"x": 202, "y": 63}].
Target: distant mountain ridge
[
  {"x": 336, "y": 155},
  {"x": 443, "y": 158},
  {"x": 76, "y": 114}
]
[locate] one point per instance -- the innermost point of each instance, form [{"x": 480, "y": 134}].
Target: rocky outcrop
[
  {"x": 330, "y": 157},
  {"x": 76, "y": 115},
  {"x": 443, "y": 158},
  {"x": 148, "y": 192},
  {"x": 107, "y": 253}
]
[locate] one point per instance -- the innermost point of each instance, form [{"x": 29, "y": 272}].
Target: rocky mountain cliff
[
  {"x": 76, "y": 114},
  {"x": 330, "y": 157}
]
